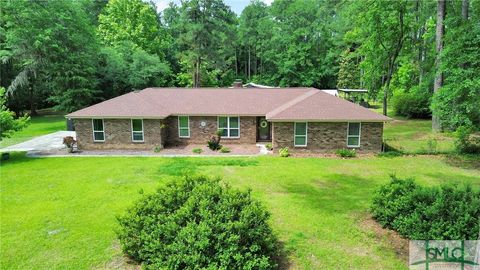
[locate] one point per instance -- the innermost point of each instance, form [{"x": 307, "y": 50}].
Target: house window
[
  {"x": 353, "y": 134},
  {"x": 230, "y": 126},
  {"x": 98, "y": 130},
  {"x": 300, "y": 136},
  {"x": 137, "y": 130},
  {"x": 183, "y": 127}
]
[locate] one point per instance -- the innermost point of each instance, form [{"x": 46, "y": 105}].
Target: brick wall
[
  {"x": 326, "y": 137},
  {"x": 118, "y": 134},
  {"x": 200, "y": 135}
]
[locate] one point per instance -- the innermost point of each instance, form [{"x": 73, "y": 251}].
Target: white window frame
[
  {"x": 354, "y": 136},
  {"x": 187, "y": 128},
  {"x": 228, "y": 127},
  {"x": 102, "y": 131},
  {"x": 295, "y": 134},
  {"x": 131, "y": 127}
]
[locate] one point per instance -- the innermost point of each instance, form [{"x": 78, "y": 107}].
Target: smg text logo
[{"x": 445, "y": 255}]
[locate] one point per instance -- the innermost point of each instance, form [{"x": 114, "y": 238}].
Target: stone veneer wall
[
  {"x": 327, "y": 137},
  {"x": 118, "y": 134},
  {"x": 200, "y": 135}
]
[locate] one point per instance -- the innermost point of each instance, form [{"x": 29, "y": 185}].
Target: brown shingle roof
[{"x": 276, "y": 103}]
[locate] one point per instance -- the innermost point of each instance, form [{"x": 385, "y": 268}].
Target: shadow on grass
[
  {"x": 283, "y": 256},
  {"x": 186, "y": 166},
  {"x": 463, "y": 161},
  {"x": 339, "y": 194},
  {"x": 16, "y": 158}
]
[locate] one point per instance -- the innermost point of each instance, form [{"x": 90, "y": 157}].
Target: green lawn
[
  {"x": 60, "y": 212},
  {"x": 39, "y": 125},
  {"x": 415, "y": 136}
]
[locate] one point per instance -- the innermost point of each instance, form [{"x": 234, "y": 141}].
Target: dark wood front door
[{"x": 264, "y": 130}]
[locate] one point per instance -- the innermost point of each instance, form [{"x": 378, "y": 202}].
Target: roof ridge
[{"x": 290, "y": 103}]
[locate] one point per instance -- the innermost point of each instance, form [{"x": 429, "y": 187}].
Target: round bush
[
  {"x": 412, "y": 105},
  {"x": 198, "y": 223}
]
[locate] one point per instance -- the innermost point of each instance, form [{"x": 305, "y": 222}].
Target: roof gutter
[
  {"x": 113, "y": 117},
  {"x": 330, "y": 120}
]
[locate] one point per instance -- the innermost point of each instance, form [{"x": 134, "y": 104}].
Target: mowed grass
[
  {"x": 416, "y": 136},
  {"x": 59, "y": 213},
  {"x": 38, "y": 125}
]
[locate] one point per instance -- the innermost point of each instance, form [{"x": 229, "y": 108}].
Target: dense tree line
[{"x": 70, "y": 54}]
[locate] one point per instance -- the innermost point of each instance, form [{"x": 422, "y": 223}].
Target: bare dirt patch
[
  {"x": 119, "y": 261},
  {"x": 392, "y": 238}
]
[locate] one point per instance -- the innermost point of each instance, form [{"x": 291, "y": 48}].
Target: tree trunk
[
  {"x": 465, "y": 9},
  {"x": 249, "y": 64},
  {"x": 387, "y": 88},
  {"x": 197, "y": 84},
  {"x": 440, "y": 29},
  {"x": 236, "y": 62},
  {"x": 31, "y": 99}
]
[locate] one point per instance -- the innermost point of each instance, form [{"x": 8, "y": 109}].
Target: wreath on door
[{"x": 263, "y": 123}]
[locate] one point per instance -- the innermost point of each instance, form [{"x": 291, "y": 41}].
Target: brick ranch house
[{"x": 303, "y": 119}]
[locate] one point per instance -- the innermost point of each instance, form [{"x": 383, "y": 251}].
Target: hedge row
[{"x": 433, "y": 213}]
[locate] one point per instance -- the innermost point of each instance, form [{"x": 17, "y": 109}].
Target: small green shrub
[
  {"x": 283, "y": 152},
  {"x": 416, "y": 212},
  {"x": 225, "y": 149},
  {"x": 197, "y": 150},
  {"x": 346, "y": 153},
  {"x": 214, "y": 142},
  {"x": 412, "y": 105},
  {"x": 467, "y": 142},
  {"x": 157, "y": 149},
  {"x": 432, "y": 144},
  {"x": 198, "y": 223},
  {"x": 269, "y": 146}
]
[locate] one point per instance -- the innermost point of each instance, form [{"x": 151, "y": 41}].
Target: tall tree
[
  {"x": 440, "y": 29},
  {"x": 126, "y": 67},
  {"x": 382, "y": 28},
  {"x": 456, "y": 103},
  {"x": 134, "y": 21},
  {"x": 206, "y": 30},
  {"x": 249, "y": 34},
  {"x": 51, "y": 46}
]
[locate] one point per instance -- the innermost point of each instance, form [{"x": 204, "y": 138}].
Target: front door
[{"x": 264, "y": 131}]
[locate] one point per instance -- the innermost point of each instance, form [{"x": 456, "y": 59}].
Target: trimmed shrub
[
  {"x": 283, "y": 152},
  {"x": 197, "y": 150},
  {"x": 416, "y": 212},
  {"x": 224, "y": 149},
  {"x": 468, "y": 142},
  {"x": 198, "y": 223},
  {"x": 392, "y": 200},
  {"x": 157, "y": 149},
  {"x": 412, "y": 105},
  {"x": 346, "y": 153}
]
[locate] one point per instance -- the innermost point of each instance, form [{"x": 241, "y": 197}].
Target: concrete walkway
[{"x": 49, "y": 142}]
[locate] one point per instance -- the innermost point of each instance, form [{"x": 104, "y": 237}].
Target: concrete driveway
[{"x": 52, "y": 141}]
